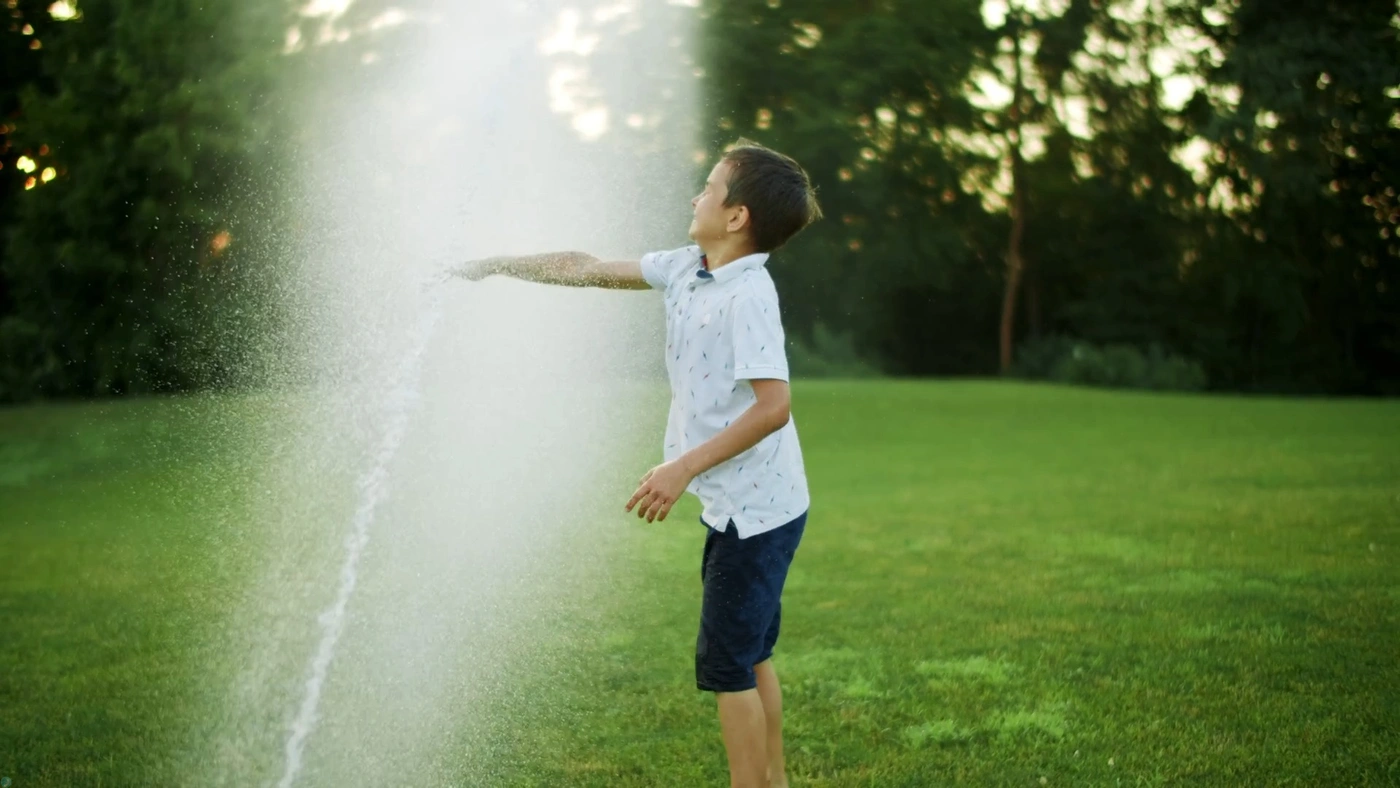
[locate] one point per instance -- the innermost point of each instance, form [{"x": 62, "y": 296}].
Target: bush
[
  {"x": 829, "y": 355},
  {"x": 1068, "y": 360},
  {"x": 1036, "y": 358}
]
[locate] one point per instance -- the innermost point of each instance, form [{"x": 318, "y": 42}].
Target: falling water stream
[{"x": 373, "y": 487}]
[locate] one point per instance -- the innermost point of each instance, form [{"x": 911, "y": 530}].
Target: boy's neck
[{"x": 724, "y": 254}]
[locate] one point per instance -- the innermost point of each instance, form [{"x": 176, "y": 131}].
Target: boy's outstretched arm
[{"x": 574, "y": 269}]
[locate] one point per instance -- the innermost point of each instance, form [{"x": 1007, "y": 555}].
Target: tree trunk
[
  {"x": 1014, "y": 262},
  {"x": 1014, "y": 267},
  {"x": 1033, "y": 284}
]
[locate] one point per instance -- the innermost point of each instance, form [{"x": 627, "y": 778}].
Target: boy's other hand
[{"x": 660, "y": 488}]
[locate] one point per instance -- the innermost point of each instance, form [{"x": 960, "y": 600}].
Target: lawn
[{"x": 1000, "y": 585}]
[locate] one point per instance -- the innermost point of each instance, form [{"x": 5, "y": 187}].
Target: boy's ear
[{"x": 739, "y": 219}]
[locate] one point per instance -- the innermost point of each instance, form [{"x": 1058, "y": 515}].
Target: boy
[{"x": 729, "y": 437}]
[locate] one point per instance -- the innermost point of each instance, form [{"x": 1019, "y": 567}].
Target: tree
[
  {"x": 143, "y": 264},
  {"x": 864, "y": 95},
  {"x": 1302, "y": 115},
  {"x": 29, "y": 23}
]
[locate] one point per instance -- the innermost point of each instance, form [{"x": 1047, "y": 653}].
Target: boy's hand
[
  {"x": 661, "y": 487},
  {"x": 436, "y": 279},
  {"x": 475, "y": 270}
]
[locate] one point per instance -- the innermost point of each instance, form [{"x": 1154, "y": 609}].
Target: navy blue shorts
[{"x": 741, "y": 611}]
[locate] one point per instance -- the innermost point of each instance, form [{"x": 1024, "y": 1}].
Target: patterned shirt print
[{"x": 723, "y": 330}]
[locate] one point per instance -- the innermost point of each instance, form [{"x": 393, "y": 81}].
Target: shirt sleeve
[
  {"x": 758, "y": 340},
  {"x": 659, "y": 268}
]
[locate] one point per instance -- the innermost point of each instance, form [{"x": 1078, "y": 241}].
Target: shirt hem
[
  {"x": 760, "y": 373},
  {"x": 746, "y": 532}
]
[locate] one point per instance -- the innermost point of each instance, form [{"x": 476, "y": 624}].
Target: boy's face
[{"x": 713, "y": 221}]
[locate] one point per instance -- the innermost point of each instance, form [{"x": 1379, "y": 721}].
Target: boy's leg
[
  {"x": 743, "y": 726},
  {"x": 772, "y": 697},
  {"x": 740, "y": 615}
]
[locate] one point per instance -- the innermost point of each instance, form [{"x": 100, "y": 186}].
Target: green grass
[
  {"x": 115, "y": 519},
  {"x": 999, "y": 585}
]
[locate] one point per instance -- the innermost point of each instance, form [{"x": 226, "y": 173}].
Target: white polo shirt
[{"x": 722, "y": 331}]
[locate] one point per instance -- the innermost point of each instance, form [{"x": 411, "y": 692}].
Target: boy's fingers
[
  {"x": 645, "y": 503},
  {"x": 658, "y": 509},
  {"x": 633, "y": 501}
]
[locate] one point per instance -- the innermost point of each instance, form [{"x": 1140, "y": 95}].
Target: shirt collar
[{"x": 732, "y": 270}]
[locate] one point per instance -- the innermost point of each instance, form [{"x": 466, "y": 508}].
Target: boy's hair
[{"x": 776, "y": 190}]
